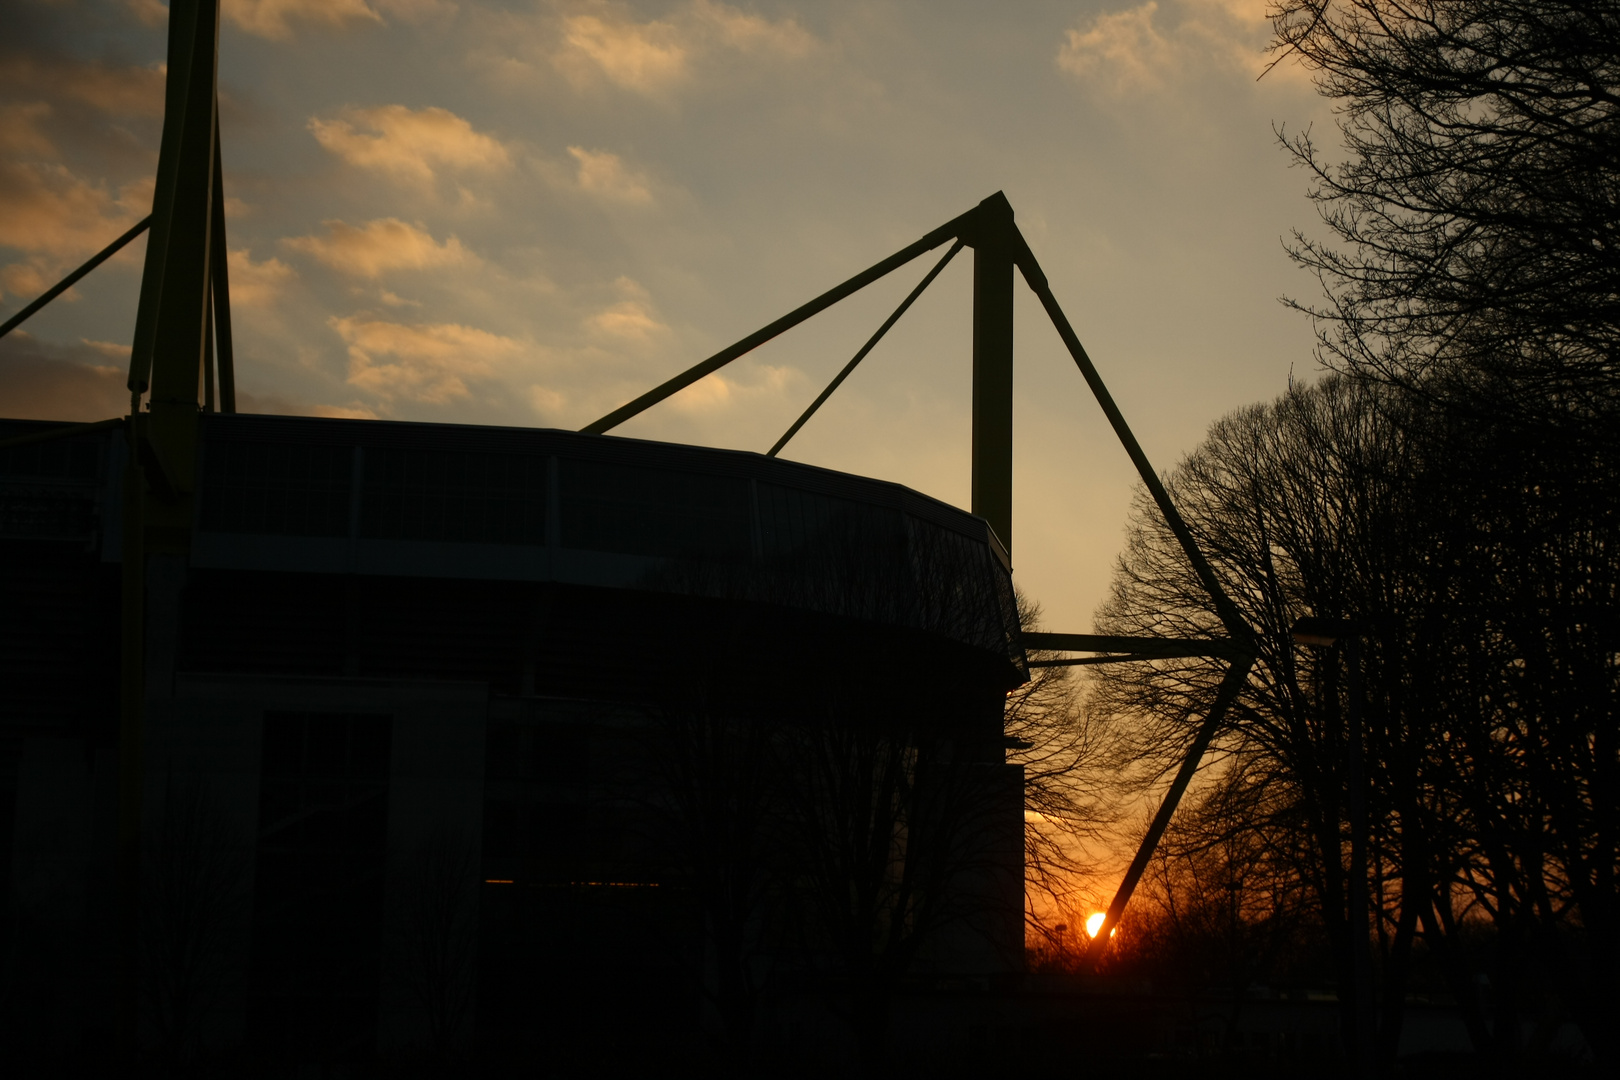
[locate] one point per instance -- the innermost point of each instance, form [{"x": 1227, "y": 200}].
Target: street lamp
[
  {"x": 1326, "y": 633},
  {"x": 1315, "y": 630}
]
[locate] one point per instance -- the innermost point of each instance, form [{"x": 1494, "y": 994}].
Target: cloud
[
  {"x": 650, "y": 57},
  {"x": 417, "y": 11},
  {"x": 753, "y": 383},
  {"x": 70, "y": 383},
  {"x": 112, "y": 350},
  {"x": 546, "y": 402},
  {"x": 752, "y": 33},
  {"x": 280, "y": 405},
  {"x": 148, "y": 12},
  {"x": 19, "y": 130},
  {"x": 408, "y": 143},
  {"x": 627, "y": 319},
  {"x": 51, "y": 211},
  {"x": 273, "y": 19},
  {"x": 639, "y": 56},
  {"x": 379, "y": 246},
  {"x": 26, "y": 281},
  {"x": 256, "y": 284},
  {"x": 604, "y": 175},
  {"x": 1123, "y": 47},
  {"x": 630, "y": 319},
  {"x": 355, "y": 411},
  {"x": 427, "y": 363},
  {"x": 115, "y": 89},
  {"x": 1141, "y": 49},
  {"x": 57, "y": 219}
]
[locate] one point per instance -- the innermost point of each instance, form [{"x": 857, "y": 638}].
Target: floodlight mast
[
  {"x": 184, "y": 309},
  {"x": 988, "y": 228},
  {"x": 998, "y": 247}
]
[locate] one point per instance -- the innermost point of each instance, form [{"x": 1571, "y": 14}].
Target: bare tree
[
  {"x": 1477, "y": 577},
  {"x": 1474, "y": 221},
  {"x": 714, "y": 769},
  {"x": 195, "y": 882},
  {"x": 1222, "y": 905},
  {"x": 894, "y": 824},
  {"x": 1300, "y": 506},
  {"x": 435, "y": 939},
  {"x": 1476, "y": 209},
  {"x": 841, "y": 821}
]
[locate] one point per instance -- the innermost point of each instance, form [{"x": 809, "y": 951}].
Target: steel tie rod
[
  {"x": 72, "y": 279},
  {"x": 870, "y": 344}
]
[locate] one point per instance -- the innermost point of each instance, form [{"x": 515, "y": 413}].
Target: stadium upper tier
[{"x": 407, "y": 500}]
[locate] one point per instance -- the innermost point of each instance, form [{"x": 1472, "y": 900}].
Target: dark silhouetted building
[{"x": 401, "y": 706}]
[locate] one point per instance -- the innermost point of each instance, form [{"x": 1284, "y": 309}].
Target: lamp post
[{"x": 1326, "y": 633}]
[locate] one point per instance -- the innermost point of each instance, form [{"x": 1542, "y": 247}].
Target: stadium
[{"x": 326, "y": 738}]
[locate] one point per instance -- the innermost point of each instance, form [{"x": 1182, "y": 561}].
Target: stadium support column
[
  {"x": 171, "y": 326},
  {"x": 993, "y": 246}
]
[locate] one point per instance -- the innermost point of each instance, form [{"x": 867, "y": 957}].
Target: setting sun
[{"x": 1094, "y": 923}]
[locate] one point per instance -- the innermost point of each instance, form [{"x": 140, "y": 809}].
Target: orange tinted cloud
[
  {"x": 429, "y": 363},
  {"x": 631, "y": 319},
  {"x": 408, "y": 143},
  {"x": 280, "y": 405},
  {"x": 1148, "y": 47},
  {"x": 751, "y": 33},
  {"x": 649, "y": 57},
  {"x": 640, "y": 56},
  {"x": 20, "y": 133},
  {"x": 274, "y": 19},
  {"x": 56, "y": 219},
  {"x": 752, "y": 385},
  {"x": 115, "y": 89},
  {"x": 48, "y": 209},
  {"x": 70, "y": 383},
  {"x": 256, "y": 284},
  {"x": 148, "y": 12},
  {"x": 604, "y": 175},
  {"x": 379, "y": 246},
  {"x": 1125, "y": 48},
  {"x": 626, "y": 319}
]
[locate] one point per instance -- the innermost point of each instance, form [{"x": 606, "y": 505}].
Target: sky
[{"x": 528, "y": 213}]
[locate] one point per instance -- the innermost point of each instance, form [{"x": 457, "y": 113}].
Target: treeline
[{"x": 1451, "y": 490}]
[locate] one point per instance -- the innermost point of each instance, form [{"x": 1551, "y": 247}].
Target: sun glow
[{"x": 1094, "y": 923}]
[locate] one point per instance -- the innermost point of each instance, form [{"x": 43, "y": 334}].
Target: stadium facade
[{"x": 413, "y": 655}]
